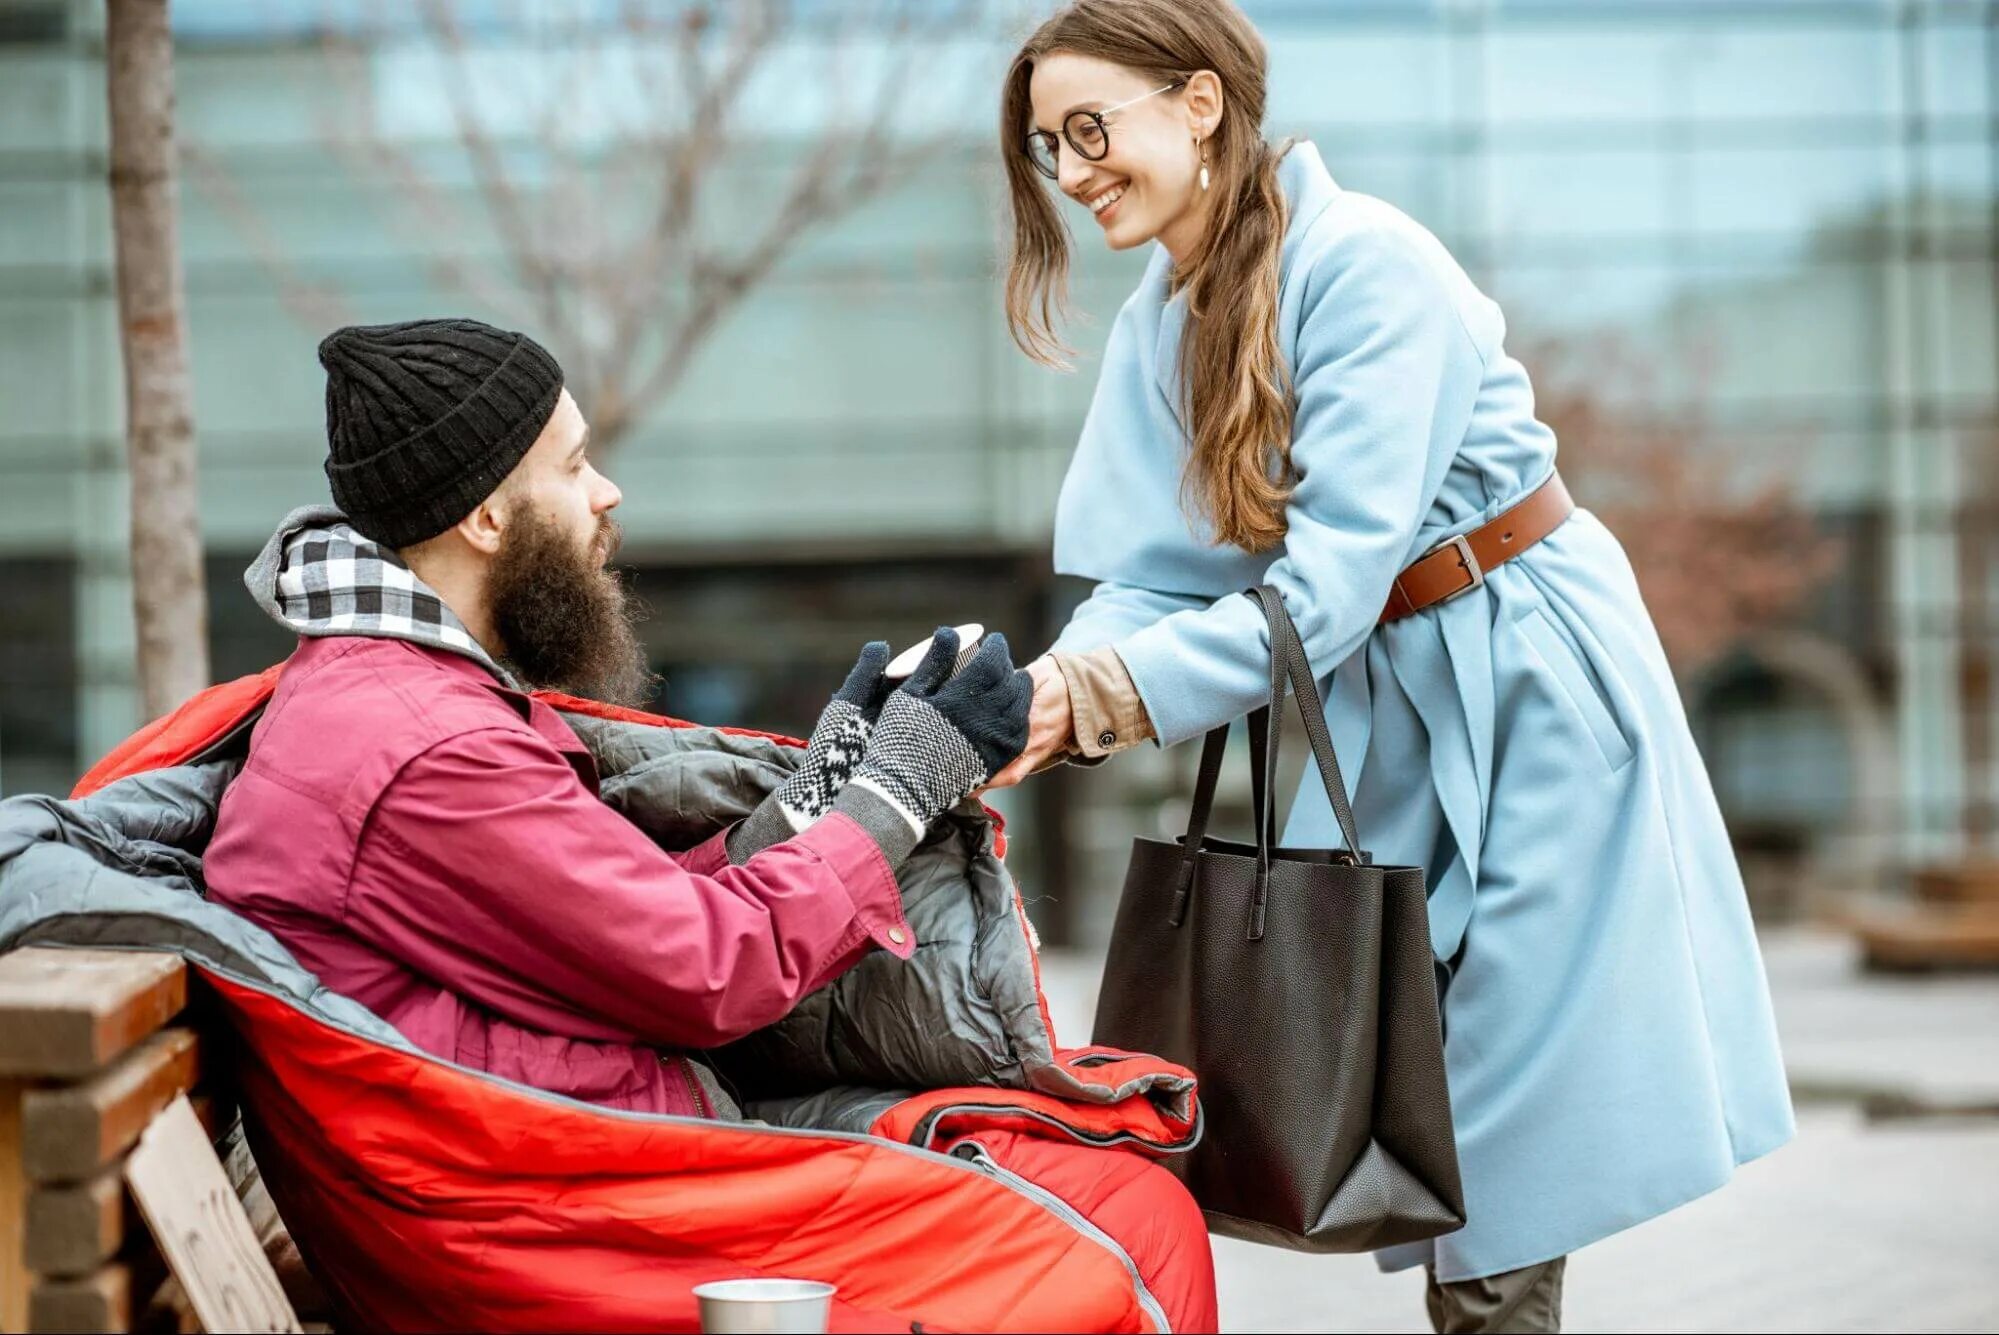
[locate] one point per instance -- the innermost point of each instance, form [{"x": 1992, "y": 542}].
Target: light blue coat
[{"x": 1609, "y": 1037}]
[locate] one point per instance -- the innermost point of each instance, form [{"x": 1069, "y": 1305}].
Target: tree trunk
[{"x": 168, "y": 595}]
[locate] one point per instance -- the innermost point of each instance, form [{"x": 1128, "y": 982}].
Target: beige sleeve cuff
[{"x": 1104, "y": 701}]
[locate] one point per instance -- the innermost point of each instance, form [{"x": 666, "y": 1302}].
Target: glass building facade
[{"x": 1776, "y": 220}]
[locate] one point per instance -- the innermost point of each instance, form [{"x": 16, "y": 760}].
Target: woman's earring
[{"x": 1204, "y": 163}]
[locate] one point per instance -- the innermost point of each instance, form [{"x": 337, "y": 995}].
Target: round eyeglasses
[{"x": 1086, "y": 133}]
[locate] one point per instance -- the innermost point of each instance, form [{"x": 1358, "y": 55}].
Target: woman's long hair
[{"x": 1237, "y": 395}]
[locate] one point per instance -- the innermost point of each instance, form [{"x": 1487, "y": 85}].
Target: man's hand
[
  {"x": 1050, "y": 724},
  {"x": 940, "y": 736},
  {"x": 838, "y": 741}
]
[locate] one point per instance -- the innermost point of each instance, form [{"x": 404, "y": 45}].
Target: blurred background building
[{"x": 1749, "y": 250}]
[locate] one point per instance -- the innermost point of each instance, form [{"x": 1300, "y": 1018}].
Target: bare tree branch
[
  {"x": 1718, "y": 562},
  {"x": 311, "y": 303},
  {"x": 609, "y": 247},
  {"x": 425, "y": 212},
  {"x": 489, "y": 174}
]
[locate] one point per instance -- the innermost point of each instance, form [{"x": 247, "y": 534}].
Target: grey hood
[{"x": 317, "y": 576}]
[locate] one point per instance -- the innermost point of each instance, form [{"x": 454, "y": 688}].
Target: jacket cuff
[
  {"x": 864, "y": 868},
  {"x": 707, "y": 857},
  {"x": 881, "y": 820},
  {"x": 1054, "y": 758},
  {"x": 765, "y": 826},
  {"x": 1104, "y": 702}
]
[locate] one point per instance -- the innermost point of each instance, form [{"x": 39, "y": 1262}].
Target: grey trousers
[{"x": 1527, "y": 1301}]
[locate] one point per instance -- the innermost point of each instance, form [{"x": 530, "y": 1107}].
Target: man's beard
[{"x": 567, "y": 623}]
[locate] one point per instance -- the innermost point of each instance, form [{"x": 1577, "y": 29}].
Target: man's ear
[
  {"x": 484, "y": 527},
  {"x": 1205, "y": 103}
]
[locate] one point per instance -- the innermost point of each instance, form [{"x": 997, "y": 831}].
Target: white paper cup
[
  {"x": 764, "y": 1306},
  {"x": 911, "y": 658}
]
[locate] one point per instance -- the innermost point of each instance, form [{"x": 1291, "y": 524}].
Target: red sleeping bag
[{"x": 432, "y": 1197}]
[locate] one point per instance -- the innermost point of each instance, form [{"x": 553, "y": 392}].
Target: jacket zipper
[
  {"x": 981, "y": 1159},
  {"x": 693, "y": 1085}
]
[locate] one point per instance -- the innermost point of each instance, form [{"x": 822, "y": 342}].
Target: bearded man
[{"x": 426, "y": 837}]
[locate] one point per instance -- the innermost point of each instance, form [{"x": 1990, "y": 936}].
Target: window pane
[
  {"x": 1787, "y": 190},
  {"x": 1418, "y": 183},
  {"x": 242, "y": 638},
  {"x": 1819, "y": 468},
  {"x": 1959, "y": 177},
  {"x": 1583, "y": 298},
  {"x": 34, "y": 223},
  {"x": 34, "y": 102},
  {"x": 1785, "y": 338},
  {"x": 37, "y": 676},
  {"x": 37, "y": 371},
  {"x": 1957, "y": 69},
  {"x": 1319, "y": 77},
  {"x": 1624, "y": 73},
  {"x": 1969, "y": 318},
  {"x": 1541, "y": 193},
  {"x": 1736, "y": 73}
]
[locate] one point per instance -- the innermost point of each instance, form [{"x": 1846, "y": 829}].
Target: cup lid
[
  {"x": 911, "y": 658},
  {"x": 763, "y": 1290}
]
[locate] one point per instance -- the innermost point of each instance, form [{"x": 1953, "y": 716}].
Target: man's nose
[{"x": 607, "y": 496}]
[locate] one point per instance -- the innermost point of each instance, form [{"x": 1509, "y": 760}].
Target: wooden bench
[
  {"x": 110, "y": 1216},
  {"x": 1952, "y": 922}
]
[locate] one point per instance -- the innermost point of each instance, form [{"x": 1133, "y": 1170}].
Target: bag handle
[
  {"x": 1287, "y": 661},
  {"x": 1305, "y": 688}
]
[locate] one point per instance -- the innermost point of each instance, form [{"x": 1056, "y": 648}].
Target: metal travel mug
[{"x": 764, "y": 1306}]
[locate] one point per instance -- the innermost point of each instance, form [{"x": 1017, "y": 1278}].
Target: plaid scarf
[{"x": 332, "y": 581}]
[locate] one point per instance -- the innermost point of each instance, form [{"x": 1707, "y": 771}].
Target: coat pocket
[{"x": 1579, "y": 682}]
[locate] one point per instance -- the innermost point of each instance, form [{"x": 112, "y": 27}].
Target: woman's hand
[{"x": 1050, "y": 724}]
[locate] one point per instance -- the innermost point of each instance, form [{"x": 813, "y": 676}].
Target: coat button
[
  {"x": 897, "y": 935},
  {"x": 1107, "y": 738}
]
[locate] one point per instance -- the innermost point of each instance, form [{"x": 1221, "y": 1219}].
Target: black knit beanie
[{"x": 424, "y": 420}]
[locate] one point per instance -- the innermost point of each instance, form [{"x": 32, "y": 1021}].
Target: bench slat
[
  {"x": 13, "y": 1211},
  {"x": 75, "y": 1228},
  {"x": 98, "y": 1301},
  {"x": 69, "y": 1133},
  {"x": 69, "y": 1012}
]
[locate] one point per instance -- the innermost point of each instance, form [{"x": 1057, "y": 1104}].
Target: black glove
[
  {"x": 838, "y": 742},
  {"x": 941, "y": 736}
]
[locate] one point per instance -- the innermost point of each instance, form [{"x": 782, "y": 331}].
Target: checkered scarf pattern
[{"x": 335, "y": 582}]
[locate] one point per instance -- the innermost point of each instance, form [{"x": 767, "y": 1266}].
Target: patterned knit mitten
[
  {"x": 838, "y": 741},
  {"x": 941, "y": 736}
]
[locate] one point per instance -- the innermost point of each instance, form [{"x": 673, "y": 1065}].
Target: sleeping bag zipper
[
  {"x": 926, "y": 1131},
  {"x": 972, "y": 1152}
]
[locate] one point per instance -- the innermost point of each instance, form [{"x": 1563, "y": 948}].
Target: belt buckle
[{"x": 1471, "y": 565}]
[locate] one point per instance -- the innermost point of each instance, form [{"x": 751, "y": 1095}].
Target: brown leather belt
[{"x": 1459, "y": 565}]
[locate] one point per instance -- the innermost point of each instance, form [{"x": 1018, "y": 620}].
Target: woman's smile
[{"x": 1104, "y": 203}]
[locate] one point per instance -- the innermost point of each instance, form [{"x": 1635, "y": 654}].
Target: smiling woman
[
  {"x": 1130, "y": 118},
  {"x": 1307, "y": 391}
]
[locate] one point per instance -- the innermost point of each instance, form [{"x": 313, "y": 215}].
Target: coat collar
[{"x": 1307, "y": 187}]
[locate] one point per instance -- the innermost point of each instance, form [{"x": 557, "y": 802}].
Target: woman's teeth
[{"x": 1106, "y": 199}]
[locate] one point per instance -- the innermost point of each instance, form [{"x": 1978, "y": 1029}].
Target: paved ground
[{"x": 1857, "y": 1226}]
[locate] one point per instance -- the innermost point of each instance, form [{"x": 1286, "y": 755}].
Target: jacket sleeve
[
  {"x": 1106, "y": 713},
  {"x": 489, "y": 866},
  {"x": 1386, "y": 377}
]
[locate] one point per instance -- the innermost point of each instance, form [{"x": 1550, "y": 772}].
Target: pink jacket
[{"x": 430, "y": 843}]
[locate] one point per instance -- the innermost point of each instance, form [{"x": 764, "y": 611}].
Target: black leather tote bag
[{"x": 1298, "y": 985}]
